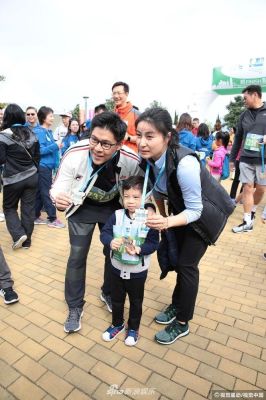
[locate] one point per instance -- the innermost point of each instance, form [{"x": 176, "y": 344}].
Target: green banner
[{"x": 232, "y": 80}]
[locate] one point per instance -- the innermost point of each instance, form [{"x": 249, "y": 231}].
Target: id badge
[
  {"x": 141, "y": 215},
  {"x": 252, "y": 142}
]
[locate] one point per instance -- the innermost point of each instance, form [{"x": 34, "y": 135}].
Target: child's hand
[
  {"x": 116, "y": 243},
  {"x": 132, "y": 250}
]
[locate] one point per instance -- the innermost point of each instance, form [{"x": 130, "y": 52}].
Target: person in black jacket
[
  {"x": 20, "y": 154},
  {"x": 251, "y": 130},
  {"x": 199, "y": 211}
]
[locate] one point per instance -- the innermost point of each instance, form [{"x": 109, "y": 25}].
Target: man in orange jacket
[{"x": 126, "y": 111}]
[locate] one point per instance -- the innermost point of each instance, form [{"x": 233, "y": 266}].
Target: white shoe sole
[
  {"x": 179, "y": 336},
  {"x": 19, "y": 242},
  {"x": 8, "y": 302},
  {"x": 109, "y": 340},
  {"x": 164, "y": 323},
  {"x": 251, "y": 230},
  {"x": 104, "y": 301}
]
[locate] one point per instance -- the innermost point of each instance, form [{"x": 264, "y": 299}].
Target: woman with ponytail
[
  {"x": 198, "y": 211},
  {"x": 20, "y": 154}
]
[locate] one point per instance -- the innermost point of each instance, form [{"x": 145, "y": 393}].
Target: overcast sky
[{"x": 54, "y": 52}]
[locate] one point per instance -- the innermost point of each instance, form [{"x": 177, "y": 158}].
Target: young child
[
  {"x": 220, "y": 151},
  {"x": 204, "y": 143},
  {"x": 6, "y": 282},
  {"x": 131, "y": 243}
]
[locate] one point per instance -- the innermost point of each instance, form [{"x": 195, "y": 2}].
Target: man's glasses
[
  {"x": 117, "y": 93},
  {"x": 105, "y": 145},
  {"x": 32, "y": 114}
]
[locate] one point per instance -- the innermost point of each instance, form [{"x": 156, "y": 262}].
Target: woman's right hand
[{"x": 62, "y": 201}]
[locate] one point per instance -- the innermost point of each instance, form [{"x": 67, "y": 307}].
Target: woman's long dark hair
[
  {"x": 15, "y": 115},
  {"x": 161, "y": 120}
]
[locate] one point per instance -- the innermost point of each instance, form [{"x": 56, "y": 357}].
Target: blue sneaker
[
  {"x": 172, "y": 332},
  {"x": 112, "y": 332},
  {"x": 132, "y": 337}
]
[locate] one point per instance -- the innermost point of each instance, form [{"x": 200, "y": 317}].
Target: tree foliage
[
  {"x": 155, "y": 104},
  {"x": 75, "y": 112},
  {"x": 176, "y": 118},
  {"x": 110, "y": 104},
  {"x": 235, "y": 108},
  {"x": 2, "y": 78}
]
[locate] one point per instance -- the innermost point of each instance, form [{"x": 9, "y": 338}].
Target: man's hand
[
  {"x": 62, "y": 201},
  {"x": 116, "y": 243}
]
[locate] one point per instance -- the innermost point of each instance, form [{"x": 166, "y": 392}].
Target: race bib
[{"x": 252, "y": 142}]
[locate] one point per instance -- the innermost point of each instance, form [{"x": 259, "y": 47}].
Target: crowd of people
[{"x": 149, "y": 186}]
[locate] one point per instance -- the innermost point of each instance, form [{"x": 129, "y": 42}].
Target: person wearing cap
[{"x": 62, "y": 129}]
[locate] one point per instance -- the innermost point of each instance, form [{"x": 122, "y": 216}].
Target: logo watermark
[
  {"x": 238, "y": 394},
  {"x": 115, "y": 390}
]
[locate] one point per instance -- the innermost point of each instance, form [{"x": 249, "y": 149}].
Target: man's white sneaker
[{"x": 244, "y": 227}]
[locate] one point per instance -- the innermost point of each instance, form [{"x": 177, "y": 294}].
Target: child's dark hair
[
  {"x": 133, "y": 182},
  {"x": 203, "y": 131},
  {"x": 224, "y": 136}
]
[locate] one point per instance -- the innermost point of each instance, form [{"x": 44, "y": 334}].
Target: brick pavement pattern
[{"x": 225, "y": 349}]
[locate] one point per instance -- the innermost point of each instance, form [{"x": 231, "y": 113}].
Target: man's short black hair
[
  {"x": 125, "y": 85},
  {"x": 100, "y": 107},
  {"x": 253, "y": 89},
  {"x": 112, "y": 122},
  {"x": 133, "y": 182}
]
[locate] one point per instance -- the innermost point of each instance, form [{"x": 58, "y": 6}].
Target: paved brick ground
[{"x": 225, "y": 350}]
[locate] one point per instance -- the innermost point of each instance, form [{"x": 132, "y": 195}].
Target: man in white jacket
[{"x": 87, "y": 186}]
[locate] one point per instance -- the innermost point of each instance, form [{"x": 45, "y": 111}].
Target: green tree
[
  {"x": 110, "y": 104},
  {"x": 2, "y": 78},
  {"x": 75, "y": 112},
  {"x": 176, "y": 118},
  {"x": 155, "y": 104},
  {"x": 234, "y": 108}
]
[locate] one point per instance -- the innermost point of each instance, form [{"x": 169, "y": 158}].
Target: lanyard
[
  {"x": 95, "y": 173},
  {"x": 145, "y": 186},
  {"x": 144, "y": 194},
  {"x": 262, "y": 159}
]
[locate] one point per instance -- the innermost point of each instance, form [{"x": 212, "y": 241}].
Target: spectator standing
[
  {"x": 61, "y": 131},
  {"x": 31, "y": 117},
  {"x": 219, "y": 154},
  {"x": 126, "y": 111},
  {"x": 185, "y": 136},
  {"x": 6, "y": 282},
  {"x": 72, "y": 135},
  {"x": 48, "y": 162},
  {"x": 204, "y": 142},
  {"x": 19, "y": 152},
  {"x": 195, "y": 124}
]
